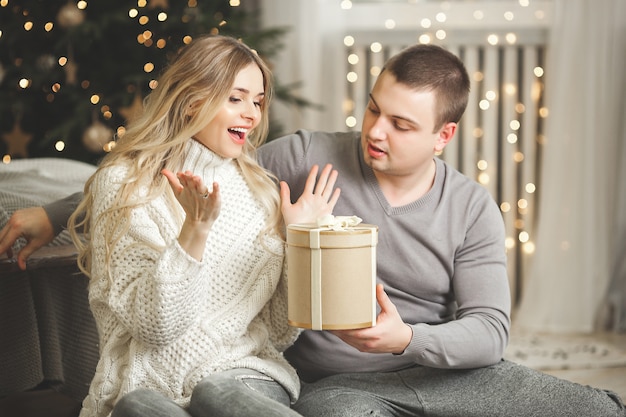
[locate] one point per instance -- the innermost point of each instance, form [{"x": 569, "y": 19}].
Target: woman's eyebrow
[{"x": 246, "y": 91}]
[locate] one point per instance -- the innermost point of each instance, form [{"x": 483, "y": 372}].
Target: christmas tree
[{"x": 74, "y": 73}]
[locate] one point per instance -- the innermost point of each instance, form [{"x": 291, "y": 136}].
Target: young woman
[{"x": 186, "y": 282}]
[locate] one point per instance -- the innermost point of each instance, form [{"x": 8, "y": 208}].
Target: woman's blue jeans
[{"x": 235, "y": 393}]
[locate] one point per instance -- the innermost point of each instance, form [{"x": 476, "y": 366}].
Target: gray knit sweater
[
  {"x": 441, "y": 259},
  {"x": 166, "y": 320}
]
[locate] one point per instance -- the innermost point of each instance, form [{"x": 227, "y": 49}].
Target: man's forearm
[{"x": 59, "y": 211}]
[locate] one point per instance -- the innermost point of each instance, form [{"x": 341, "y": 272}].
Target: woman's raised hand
[
  {"x": 318, "y": 198},
  {"x": 199, "y": 203},
  {"x": 201, "y": 206}
]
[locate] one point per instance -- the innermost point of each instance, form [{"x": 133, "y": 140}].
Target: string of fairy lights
[{"x": 517, "y": 207}]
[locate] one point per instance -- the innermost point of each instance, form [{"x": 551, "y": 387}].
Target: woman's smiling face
[{"x": 227, "y": 132}]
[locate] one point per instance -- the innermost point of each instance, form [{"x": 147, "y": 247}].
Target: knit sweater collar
[{"x": 201, "y": 160}]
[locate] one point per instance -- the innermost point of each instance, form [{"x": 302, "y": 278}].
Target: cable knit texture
[{"x": 166, "y": 320}]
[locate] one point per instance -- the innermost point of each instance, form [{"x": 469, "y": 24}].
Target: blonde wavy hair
[{"x": 200, "y": 77}]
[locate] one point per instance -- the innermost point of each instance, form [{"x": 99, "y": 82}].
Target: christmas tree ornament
[
  {"x": 131, "y": 112},
  {"x": 70, "y": 15},
  {"x": 17, "y": 141},
  {"x": 97, "y": 136}
]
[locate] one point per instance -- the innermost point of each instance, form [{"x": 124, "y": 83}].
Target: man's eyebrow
[{"x": 406, "y": 119}]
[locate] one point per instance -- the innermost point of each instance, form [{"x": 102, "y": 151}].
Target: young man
[
  {"x": 443, "y": 324},
  {"x": 443, "y": 291}
]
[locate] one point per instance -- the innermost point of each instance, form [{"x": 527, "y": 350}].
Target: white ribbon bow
[{"x": 338, "y": 222}]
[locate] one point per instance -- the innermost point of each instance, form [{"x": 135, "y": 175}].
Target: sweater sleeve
[
  {"x": 151, "y": 285},
  {"x": 479, "y": 333},
  {"x": 59, "y": 211}
]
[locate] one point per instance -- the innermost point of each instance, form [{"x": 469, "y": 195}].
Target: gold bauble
[
  {"x": 70, "y": 15},
  {"x": 97, "y": 136}
]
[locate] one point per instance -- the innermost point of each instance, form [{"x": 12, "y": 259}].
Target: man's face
[{"x": 397, "y": 132}]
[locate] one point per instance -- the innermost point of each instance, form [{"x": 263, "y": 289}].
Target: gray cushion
[{"x": 38, "y": 181}]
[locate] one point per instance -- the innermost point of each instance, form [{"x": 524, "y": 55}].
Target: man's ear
[{"x": 446, "y": 133}]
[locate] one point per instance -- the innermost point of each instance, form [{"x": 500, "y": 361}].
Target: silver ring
[{"x": 206, "y": 195}]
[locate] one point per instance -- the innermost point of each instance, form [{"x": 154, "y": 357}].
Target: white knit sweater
[{"x": 166, "y": 320}]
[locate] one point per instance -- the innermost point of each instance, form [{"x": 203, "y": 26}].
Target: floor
[
  {"x": 46, "y": 402},
  {"x": 613, "y": 379},
  {"x": 40, "y": 402}
]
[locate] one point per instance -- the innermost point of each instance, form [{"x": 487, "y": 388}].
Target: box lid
[{"x": 361, "y": 235}]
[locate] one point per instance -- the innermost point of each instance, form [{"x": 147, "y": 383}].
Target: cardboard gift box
[{"x": 331, "y": 272}]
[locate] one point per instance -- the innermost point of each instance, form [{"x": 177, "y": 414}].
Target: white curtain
[{"x": 578, "y": 273}]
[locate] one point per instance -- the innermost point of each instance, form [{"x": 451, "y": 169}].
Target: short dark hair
[{"x": 433, "y": 68}]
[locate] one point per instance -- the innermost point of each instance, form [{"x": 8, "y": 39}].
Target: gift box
[{"x": 331, "y": 272}]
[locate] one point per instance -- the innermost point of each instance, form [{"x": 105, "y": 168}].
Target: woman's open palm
[
  {"x": 317, "y": 200},
  {"x": 199, "y": 203}
]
